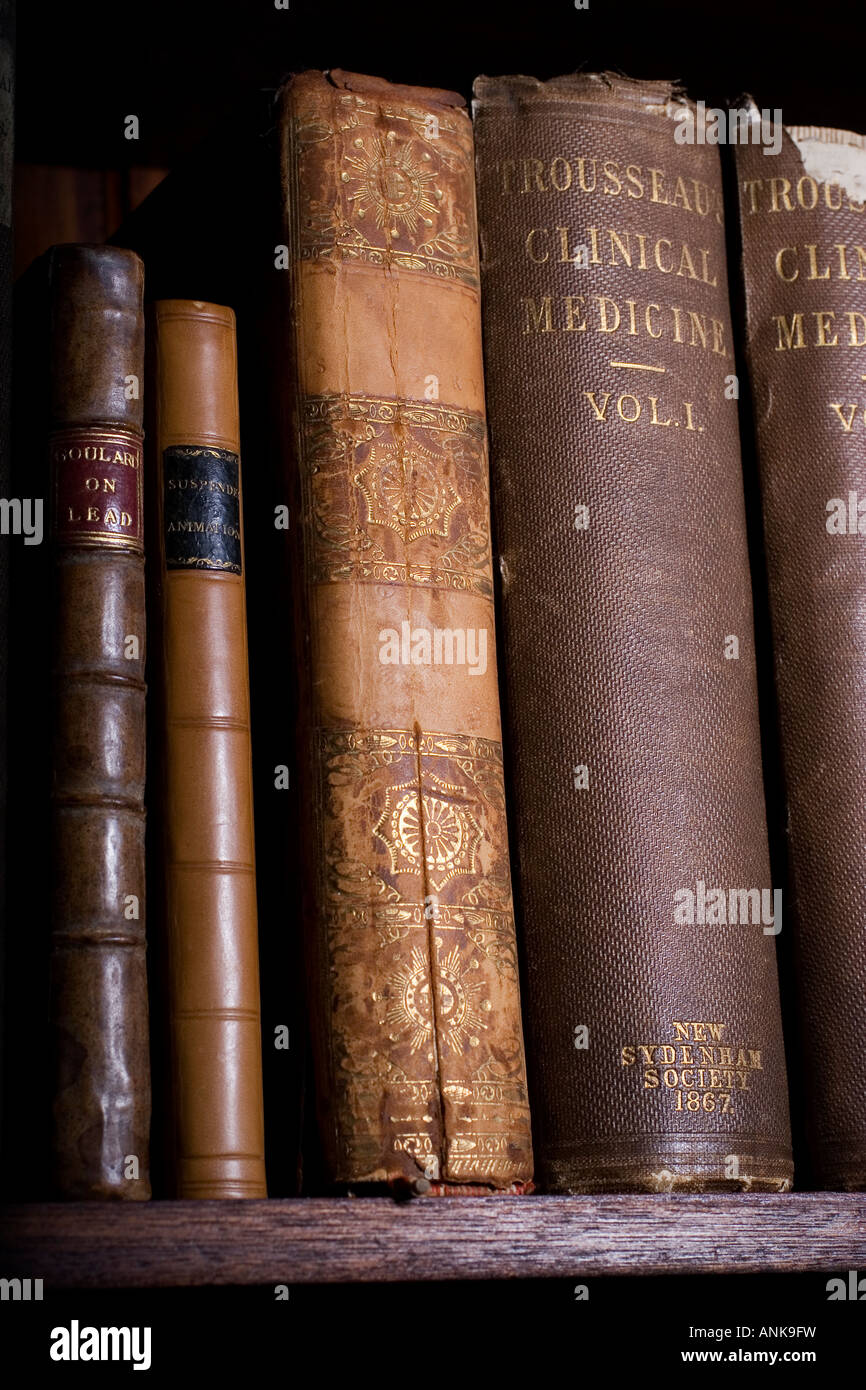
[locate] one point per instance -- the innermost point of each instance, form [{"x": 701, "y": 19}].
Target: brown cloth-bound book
[
  {"x": 412, "y": 962},
  {"x": 208, "y": 859},
  {"x": 804, "y": 266},
  {"x": 652, "y": 1013},
  {"x": 98, "y": 975}
]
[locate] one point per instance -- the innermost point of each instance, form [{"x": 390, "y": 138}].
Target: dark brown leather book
[
  {"x": 653, "y": 1029},
  {"x": 804, "y": 263},
  {"x": 199, "y": 646},
  {"x": 98, "y": 975},
  {"x": 412, "y": 963}
]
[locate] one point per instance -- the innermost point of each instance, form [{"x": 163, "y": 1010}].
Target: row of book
[{"x": 592, "y": 572}]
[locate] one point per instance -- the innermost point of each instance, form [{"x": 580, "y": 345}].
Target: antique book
[
  {"x": 206, "y": 853},
  {"x": 98, "y": 974},
  {"x": 642, "y": 879},
  {"x": 412, "y": 958},
  {"x": 803, "y": 259}
]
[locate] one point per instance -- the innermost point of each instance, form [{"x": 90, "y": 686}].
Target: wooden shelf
[{"x": 311, "y": 1240}]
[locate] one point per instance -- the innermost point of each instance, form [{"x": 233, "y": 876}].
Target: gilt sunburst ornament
[
  {"x": 441, "y": 832},
  {"x": 405, "y": 489},
  {"x": 460, "y": 1012},
  {"x": 395, "y": 182}
]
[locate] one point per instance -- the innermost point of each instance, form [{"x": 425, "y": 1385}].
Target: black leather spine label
[{"x": 202, "y": 509}]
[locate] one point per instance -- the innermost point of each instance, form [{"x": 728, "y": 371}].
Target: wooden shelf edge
[{"x": 312, "y": 1240}]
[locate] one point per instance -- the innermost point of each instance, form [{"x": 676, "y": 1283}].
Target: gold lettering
[
  {"x": 611, "y": 174},
  {"x": 687, "y": 265},
  {"x": 632, "y": 174},
  {"x": 557, "y": 165},
  {"x": 780, "y": 188},
  {"x": 602, "y": 301},
  {"x": 657, "y": 180},
  {"x": 570, "y": 325},
  {"x": 530, "y": 238},
  {"x": 751, "y": 186},
  {"x": 705, "y": 270},
  {"x": 600, "y": 411},
  {"x": 699, "y": 326},
  {"x": 629, "y": 419},
  {"x": 680, "y": 198},
  {"x": 665, "y": 269},
  {"x": 538, "y": 319},
  {"x": 854, "y": 338},
  {"x": 813, "y": 264},
  {"x": 823, "y": 324},
  {"x": 624, "y": 247},
  {"x": 778, "y": 263},
  {"x": 790, "y": 335}
]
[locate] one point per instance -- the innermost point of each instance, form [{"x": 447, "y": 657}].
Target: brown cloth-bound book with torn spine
[
  {"x": 804, "y": 264},
  {"x": 208, "y": 860},
  {"x": 651, "y": 996},
  {"x": 414, "y": 987},
  {"x": 98, "y": 975}
]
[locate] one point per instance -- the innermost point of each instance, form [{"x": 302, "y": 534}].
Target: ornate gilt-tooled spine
[
  {"x": 98, "y": 976},
  {"x": 415, "y": 997}
]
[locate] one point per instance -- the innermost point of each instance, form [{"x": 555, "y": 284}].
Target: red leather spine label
[{"x": 97, "y": 488}]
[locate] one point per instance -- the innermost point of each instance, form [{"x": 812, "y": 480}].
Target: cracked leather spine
[
  {"x": 207, "y": 853},
  {"x": 420, "y": 1071},
  {"x": 801, "y": 222},
  {"x": 654, "y": 1041},
  {"x": 98, "y": 975}
]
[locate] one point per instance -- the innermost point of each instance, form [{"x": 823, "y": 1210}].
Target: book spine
[
  {"x": 652, "y": 1013},
  {"x": 98, "y": 972},
  {"x": 208, "y": 856},
  {"x": 415, "y": 998},
  {"x": 803, "y": 261}
]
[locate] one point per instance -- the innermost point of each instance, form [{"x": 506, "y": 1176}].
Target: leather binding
[
  {"x": 98, "y": 975},
  {"x": 801, "y": 216},
  {"x": 208, "y": 858},
  {"x": 414, "y": 988},
  {"x": 655, "y": 1046}
]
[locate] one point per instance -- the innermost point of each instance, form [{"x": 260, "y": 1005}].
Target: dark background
[
  {"x": 193, "y": 71},
  {"x": 181, "y": 65}
]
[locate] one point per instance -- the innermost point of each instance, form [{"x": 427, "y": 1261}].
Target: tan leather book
[
  {"x": 801, "y": 215},
  {"x": 412, "y": 962},
  {"x": 646, "y": 906},
  {"x": 98, "y": 975},
  {"x": 208, "y": 857}
]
